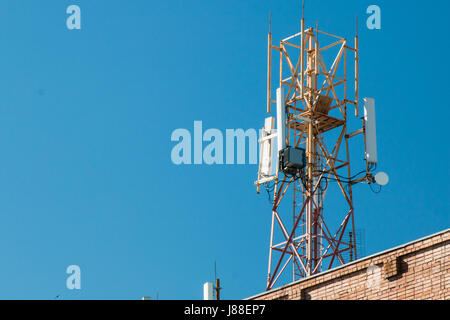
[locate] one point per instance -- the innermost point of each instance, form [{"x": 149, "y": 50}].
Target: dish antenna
[{"x": 381, "y": 178}]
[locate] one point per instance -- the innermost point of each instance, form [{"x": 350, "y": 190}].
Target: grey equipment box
[{"x": 292, "y": 159}]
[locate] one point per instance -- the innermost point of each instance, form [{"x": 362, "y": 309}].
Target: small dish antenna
[{"x": 382, "y": 178}]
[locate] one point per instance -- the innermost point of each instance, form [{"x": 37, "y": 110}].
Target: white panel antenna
[
  {"x": 267, "y": 148},
  {"x": 281, "y": 119},
  {"x": 371, "y": 132},
  {"x": 266, "y": 153}
]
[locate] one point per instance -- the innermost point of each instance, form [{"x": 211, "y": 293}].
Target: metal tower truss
[{"x": 313, "y": 74}]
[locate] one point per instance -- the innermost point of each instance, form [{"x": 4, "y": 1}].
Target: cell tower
[{"x": 312, "y": 154}]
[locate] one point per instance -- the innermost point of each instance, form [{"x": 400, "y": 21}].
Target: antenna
[
  {"x": 303, "y": 9},
  {"x": 217, "y": 288},
  {"x": 356, "y": 68},
  {"x": 269, "y": 64},
  {"x": 371, "y": 132},
  {"x": 317, "y": 31},
  {"x": 359, "y": 241},
  {"x": 381, "y": 178},
  {"x": 302, "y": 50},
  {"x": 270, "y": 21}
]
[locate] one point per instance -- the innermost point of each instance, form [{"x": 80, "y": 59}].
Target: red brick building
[{"x": 416, "y": 270}]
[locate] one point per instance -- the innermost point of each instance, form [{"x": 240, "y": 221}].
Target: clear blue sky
[{"x": 85, "y": 124}]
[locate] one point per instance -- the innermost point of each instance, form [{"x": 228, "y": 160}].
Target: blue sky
[{"x": 86, "y": 117}]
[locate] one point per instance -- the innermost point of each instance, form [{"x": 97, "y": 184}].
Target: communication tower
[{"x": 314, "y": 95}]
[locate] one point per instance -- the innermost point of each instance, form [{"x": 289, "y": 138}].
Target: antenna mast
[
  {"x": 313, "y": 159},
  {"x": 217, "y": 287}
]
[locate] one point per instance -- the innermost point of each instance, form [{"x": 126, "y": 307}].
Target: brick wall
[{"x": 417, "y": 270}]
